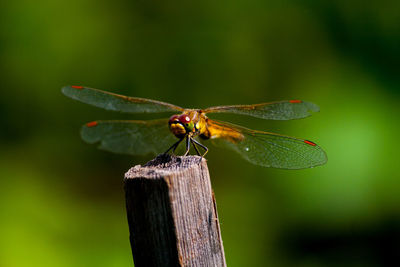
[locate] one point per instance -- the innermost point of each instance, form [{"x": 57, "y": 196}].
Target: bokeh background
[{"x": 62, "y": 201}]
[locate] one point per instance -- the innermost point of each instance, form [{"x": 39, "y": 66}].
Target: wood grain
[{"x": 172, "y": 213}]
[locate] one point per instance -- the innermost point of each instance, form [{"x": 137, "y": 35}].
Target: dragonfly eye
[
  {"x": 174, "y": 118},
  {"x": 184, "y": 119}
]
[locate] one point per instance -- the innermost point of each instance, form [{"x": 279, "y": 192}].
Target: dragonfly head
[{"x": 180, "y": 125}]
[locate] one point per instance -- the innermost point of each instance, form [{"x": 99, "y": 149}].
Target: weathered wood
[{"x": 172, "y": 213}]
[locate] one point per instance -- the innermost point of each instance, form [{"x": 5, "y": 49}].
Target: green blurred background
[{"x": 62, "y": 201}]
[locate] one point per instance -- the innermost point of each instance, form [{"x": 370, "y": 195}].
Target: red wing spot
[
  {"x": 295, "y": 101},
  {"x": 77, "y": 87},
  {"x": 91, "y": 124},
  {"x": 310, "y": 143}
]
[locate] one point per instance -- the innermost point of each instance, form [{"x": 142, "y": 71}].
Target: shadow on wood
[{"x": 172, "y": 213}]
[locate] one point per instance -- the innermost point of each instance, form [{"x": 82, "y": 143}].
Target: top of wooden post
[{"x": 164, "y": 165}]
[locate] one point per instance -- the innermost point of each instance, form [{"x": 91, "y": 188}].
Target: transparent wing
[
  {"x": 282, "y": 110},
  {"x": 268, "y": 149},
  {"x": 129, "y": 137},
  {"x": 111, "y": 101}
]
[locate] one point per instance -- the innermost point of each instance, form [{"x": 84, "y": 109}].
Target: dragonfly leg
[
  {"x": 174, "y": 146},
  {"x": 195, "y": 147},
  {"x": 203, "y": 146},
  {"x": 187, "y": 145}
]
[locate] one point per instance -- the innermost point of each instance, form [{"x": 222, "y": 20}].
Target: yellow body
[{"x": 206, "y": 128}]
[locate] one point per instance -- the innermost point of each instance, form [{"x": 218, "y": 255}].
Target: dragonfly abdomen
[{"x": 215, "y": 130}]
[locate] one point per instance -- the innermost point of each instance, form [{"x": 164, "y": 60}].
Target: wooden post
[{"x": 172, "y": 213}]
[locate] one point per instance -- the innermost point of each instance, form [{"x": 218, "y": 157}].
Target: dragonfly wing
[
  {"x": 268, "y": 149},
  {"x": 281, "y": 110},
  {"x": 115, "y": 102},
  {"x": 129, "y": 137}
]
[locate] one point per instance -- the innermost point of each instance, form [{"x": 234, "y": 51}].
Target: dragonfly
[{"x": 139, "y": 137}]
